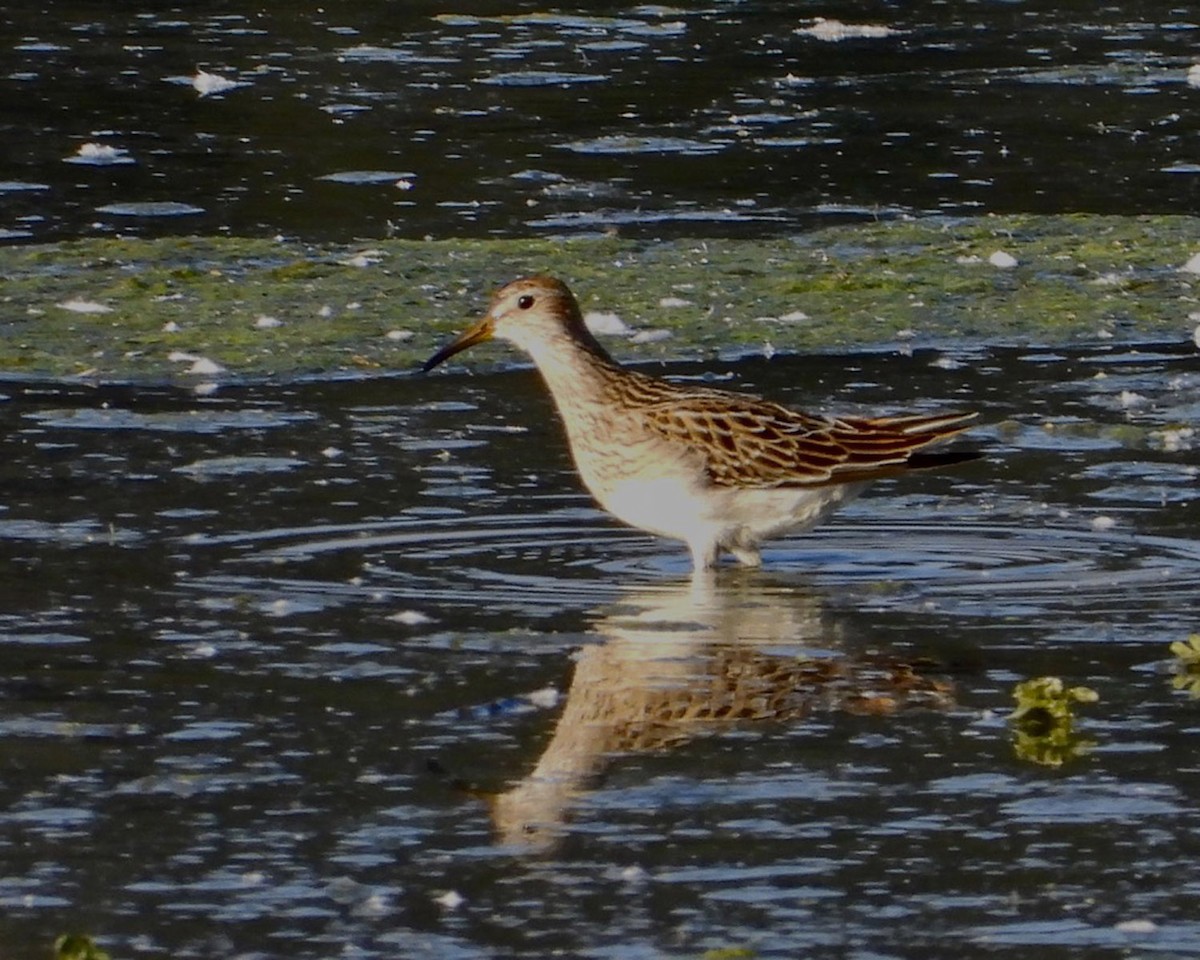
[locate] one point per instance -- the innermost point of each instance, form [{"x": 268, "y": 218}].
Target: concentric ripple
[{"x": 542, "y": 563}]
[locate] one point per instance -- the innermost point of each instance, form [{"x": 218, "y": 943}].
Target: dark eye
[{"x": 525, "y": 302}]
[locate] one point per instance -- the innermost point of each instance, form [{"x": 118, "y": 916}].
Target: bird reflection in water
[{"x": 688, "y": 661}]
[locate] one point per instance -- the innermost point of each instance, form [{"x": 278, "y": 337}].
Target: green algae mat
[{"x": 253, "y": 309}]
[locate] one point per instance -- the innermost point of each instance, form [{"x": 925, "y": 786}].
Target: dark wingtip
[{"x": 945, "y": 458}]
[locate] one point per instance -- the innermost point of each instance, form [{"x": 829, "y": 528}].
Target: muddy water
[{"x": 354, "y": 669}]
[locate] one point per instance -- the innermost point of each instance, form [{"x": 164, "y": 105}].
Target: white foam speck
[
  {"x": 77, "y": 305},
  {"x": 1136, "y": 926},
  {"x": 364, "y": 258},
  {"x": 199, "y": 365},
  {"x": 206, "y": 83},
  {"x": 450, "y": 900},
  {"x": 605, "y": 324},
  {"x": 546, "y": 698},
  {"x": 834, "y": 31},
  {"x": 100, "y": 155},
  {"x": 650, "y": 336}
]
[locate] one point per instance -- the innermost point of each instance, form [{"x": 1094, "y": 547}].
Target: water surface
[
  {"x": 332, "y": 123},
  {"x": 354, "y": 668}
]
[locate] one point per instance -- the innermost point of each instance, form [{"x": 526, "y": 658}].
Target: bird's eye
[{"x": 525, "y": 302}]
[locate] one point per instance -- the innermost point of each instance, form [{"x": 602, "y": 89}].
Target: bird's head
[{"x": 530, "y": 313}]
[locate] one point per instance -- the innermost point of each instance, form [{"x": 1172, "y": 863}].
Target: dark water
[
  {"x": 354, "y": 669},
  {"x": 510, "y": 119}
]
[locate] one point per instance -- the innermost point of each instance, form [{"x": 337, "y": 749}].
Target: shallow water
[
  {"x": 508, "y": 119},
  {"x": 355, "y": 669}
]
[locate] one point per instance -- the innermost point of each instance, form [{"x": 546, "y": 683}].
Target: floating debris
[
  {"x": 540, "y": 78},
  {"x": 15, "y": 186},
  {"x": 605, "y": 324},
  {"x": 1044, "y": 721},
  {"x": 364, "y": 258},
  {"x": 834, "y": 31},
  {"x": 1174, "y": 439},
  {"x": 359, "y": 177},
  {"x": 450, "y": 900},
  {"x": 547, "y": 698},
  {"x": 206, "y": 84},
  {"x": 1186, "y": 666},
  {"x": 1187, "y": 652},
  {"x": 100, "y": 155},
  {"x": 1002, "y": 260},
  {"x": 199, "y": 365},
  {"x": 1136, "y": 926},
  {"x": 75, "y": 946},
  {"x": 76, "y": 305},
  {"x": 236, "y": 466},
  {"x": 150, "y": 208},
  {"x": 618, "y": 144}
]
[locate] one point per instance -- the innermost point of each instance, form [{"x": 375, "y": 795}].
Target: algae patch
[{"x": 121, "y": 309}]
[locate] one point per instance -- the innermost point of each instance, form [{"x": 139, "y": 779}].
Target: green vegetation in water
[
  {"x": 1044, "y": 721},
  {"x": 145, "y": 310},
  {"x": 1186, "y": 665},
  {"x": 76, "y": 946},
  {"x": 729, "y": 953}
]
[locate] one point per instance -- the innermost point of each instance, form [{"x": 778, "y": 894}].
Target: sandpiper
[{"x": 720, "y": 471}]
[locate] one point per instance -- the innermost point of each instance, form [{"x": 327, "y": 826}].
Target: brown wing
[{"x": 748, "y": 442}]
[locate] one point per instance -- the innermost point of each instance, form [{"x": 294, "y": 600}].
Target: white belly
[{"x": 727, "y": 516}]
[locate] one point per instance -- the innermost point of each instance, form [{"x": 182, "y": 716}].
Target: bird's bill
[{"x": 482, "y": 331}]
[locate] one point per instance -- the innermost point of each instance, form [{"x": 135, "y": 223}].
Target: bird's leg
[{"x": 704, "y": 554}]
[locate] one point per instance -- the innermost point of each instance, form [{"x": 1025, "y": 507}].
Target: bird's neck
[{"x": 577, "y": 369}]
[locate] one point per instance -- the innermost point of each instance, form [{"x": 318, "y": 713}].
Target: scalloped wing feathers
[{"x": 748, "y": 442}]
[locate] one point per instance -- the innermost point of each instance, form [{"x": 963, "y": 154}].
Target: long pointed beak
[{"x": 482, "y": 331}]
